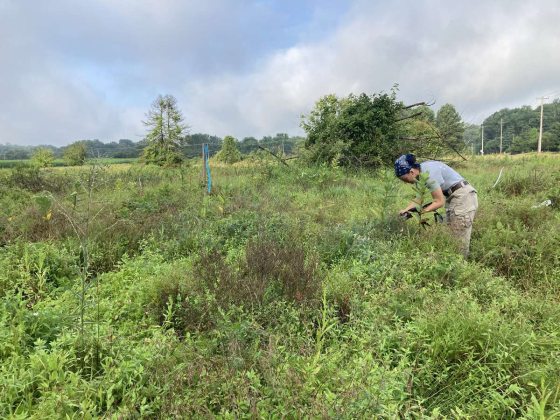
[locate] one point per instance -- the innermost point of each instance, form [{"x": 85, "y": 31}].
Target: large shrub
[
  {"x": 367, "y": 130},
  {"x": 75, "y": 153},
  {"x": 43, "y": 157},
  {"x": 229, "y": 153}
]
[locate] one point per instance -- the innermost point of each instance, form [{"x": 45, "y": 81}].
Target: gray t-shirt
[{"x": 441, "y": 175}]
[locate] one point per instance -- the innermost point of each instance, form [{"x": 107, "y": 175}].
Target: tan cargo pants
[{"x": 460, "y": 209}]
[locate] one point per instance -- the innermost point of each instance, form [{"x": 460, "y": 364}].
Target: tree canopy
[
  {"x": 450, "y": 127},
  {"x": 165, "y": 135},
  {"x": 359, "y": 130},
  {"x": 368, "y": 130}
]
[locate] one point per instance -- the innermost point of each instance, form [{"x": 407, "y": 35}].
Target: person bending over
[{"x": 447, "y": 188}]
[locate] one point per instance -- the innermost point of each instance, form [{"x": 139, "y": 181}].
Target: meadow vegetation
[{"x": 297, "y": 291}]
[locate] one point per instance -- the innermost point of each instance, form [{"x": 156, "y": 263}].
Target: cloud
[
  {"x": 251, "y": 68},
  {"x": 475, "y": 55},
  {"x": 82, "y": 71}
]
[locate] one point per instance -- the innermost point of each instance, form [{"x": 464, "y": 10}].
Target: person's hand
[{"x": 405, "y": 214}]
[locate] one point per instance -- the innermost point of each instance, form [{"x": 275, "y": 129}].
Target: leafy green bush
[
  {"x": 229, "y": 153},
  {"x": 75, "y": 153},
  {"x": 36, "y": 269},
  {"x": 43, "y": 157},
  {"x": 27, "y": 177},
  {"x": 354, "y": 131}
]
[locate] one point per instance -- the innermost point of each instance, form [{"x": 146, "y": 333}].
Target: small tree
[
  {"x": 75, "y": 153},
  {"x": 229, "y": 153},
  {"x": 450, "y": 127},
  {"x": 42, "y": 157},
  {"x": 165, "y": 136}
]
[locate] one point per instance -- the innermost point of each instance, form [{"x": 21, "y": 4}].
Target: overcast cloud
[{"x": 90, "y": 70}]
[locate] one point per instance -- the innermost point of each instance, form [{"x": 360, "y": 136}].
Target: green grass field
[
  {"x": 127, "y": 292},
  {"x": 7, "y": 164}
]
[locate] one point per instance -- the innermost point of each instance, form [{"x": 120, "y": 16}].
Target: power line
[{"x": 557, "y": 93}]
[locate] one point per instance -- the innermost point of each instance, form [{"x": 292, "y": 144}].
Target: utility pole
[
  {"x": 482, "y": 135},
  {"x": 501, "y": 133},
  {"x": 542, "y": 98}
]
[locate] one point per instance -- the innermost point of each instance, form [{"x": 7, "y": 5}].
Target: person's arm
[
  {"x": 410, "y": 206},
  {"x": 438, "y": 200}
]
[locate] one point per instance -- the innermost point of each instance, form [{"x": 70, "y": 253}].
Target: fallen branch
[
  {"x": 417, "y": 104},
  {"x": 438, "y": 135},
  {"x": 409, "y": 117},
  {"x": 419, "y": 138},
  {"x": 273, "y": 154}
]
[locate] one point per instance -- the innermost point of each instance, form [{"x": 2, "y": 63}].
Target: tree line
[
  {"x": 519, "y": 129},
  {"x": 363, "y": 130},
  {"x": 124, "y": 148},
  {"x": 129, "y": 149}
]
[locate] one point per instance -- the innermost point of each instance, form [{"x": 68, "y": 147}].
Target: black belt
[{"x": 454, "y": 188}]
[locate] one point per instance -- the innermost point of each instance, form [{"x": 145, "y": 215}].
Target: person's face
[{"x": 410, "y": 178}]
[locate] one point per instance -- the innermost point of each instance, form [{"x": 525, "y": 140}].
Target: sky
[{"x": 75, "y": 70}]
